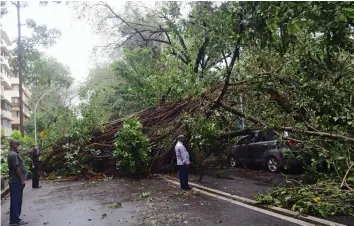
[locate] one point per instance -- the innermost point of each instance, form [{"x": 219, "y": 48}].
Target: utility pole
[{"x": 20, "y": 65}]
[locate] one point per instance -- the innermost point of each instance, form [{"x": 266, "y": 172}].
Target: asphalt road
[{"x": 90, "y": 203}]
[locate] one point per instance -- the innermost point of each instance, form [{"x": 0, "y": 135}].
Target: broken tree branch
[{"x": 236, "y": 56}]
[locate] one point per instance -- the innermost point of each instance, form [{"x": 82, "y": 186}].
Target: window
[
  {"x": 15, "y": 100},
  {"x": 245, "y": 140},
  {"x": 259, "y": 137},
  {"x": 5, "y": 106}
]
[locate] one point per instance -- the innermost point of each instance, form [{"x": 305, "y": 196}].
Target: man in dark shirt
[
  {"x": 35, "y": 167},
  {"x": 17, "y": 177}
]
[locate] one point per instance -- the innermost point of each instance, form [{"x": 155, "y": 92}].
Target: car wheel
[
  {"x": 273, "y": 164},
  {"x": 232, "y": 161}
]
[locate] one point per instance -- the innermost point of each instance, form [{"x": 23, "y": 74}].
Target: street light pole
[{"x": 35, "y": 115}]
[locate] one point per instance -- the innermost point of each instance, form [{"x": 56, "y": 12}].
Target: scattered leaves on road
[
  {"x": 145, "y": 195},
  {"x": 115, "y": 205},
  {"x": 104, "y": 216}
]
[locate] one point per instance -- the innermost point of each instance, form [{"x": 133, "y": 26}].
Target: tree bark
[{"x": 20, "y": 65}]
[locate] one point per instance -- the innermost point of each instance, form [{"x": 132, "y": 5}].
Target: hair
[
  {"x": 180, "y": 137},
  {"x": 13, "y": 143}
]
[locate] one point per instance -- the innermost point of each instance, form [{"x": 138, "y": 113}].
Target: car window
[
  {"x": 245, "y": 140},
  {"x": 271, "y": 135},
  {"x": 260, "y": 137}
]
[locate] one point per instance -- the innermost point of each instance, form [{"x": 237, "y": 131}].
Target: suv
[{"x": 267, "y": 151}]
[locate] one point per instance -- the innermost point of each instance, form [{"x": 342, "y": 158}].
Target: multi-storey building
[
  {"x": 6, "y": 105},
  {"x": 10, "y": 101}
]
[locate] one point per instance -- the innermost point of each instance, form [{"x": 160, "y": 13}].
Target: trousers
[
  {"x": 35, "y": 177},
  {"x": 183, "y": 176},
  {"x": 16, "y": 194}
]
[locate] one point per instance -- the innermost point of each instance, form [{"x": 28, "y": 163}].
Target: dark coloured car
[{"x": 265, "y": 151}]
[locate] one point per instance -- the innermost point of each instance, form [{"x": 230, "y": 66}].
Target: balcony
[
  {"x": 16, "y": 81},
  {"x": 5, "y": 96},
  {"x": 6, "y": 81},
  {"x": 27, "y": 114},
  {"x": 7, "y": 131},
  {"x": 5, "y": 61},
  {"x": 6, "y": 114},
  {"x": 5, "y": 47}
]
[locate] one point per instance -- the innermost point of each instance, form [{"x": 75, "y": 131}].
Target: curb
[
  {"x": 5, "y": 192},
  {"x": 279, "y": 210}
]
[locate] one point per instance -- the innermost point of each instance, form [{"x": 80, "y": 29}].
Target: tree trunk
[{"x": 19, "y": 56}]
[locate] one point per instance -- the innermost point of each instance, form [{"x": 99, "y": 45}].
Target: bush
[
  {"x": 4, "y": 167},
  {"x": 132, "y": 148}
]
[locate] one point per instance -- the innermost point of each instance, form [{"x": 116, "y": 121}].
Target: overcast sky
[{"x": 74, "y": 47}]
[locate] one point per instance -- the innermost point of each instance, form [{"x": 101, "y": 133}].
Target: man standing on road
[
  {"x": 17, "y": 177},
  {"x": 35, "y": 167},
  {"x": 183, "y": 162}
]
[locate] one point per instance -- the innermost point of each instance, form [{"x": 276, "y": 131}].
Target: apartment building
[
  {"x": 6, "y": 105},
  {"x": 10, "y": 108}
]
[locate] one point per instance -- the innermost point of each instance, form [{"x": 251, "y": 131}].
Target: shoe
[
  {"x": 187, "y": 189},
  {"x": 19, "y": 223},
  {"x": 37, "y": 187}
]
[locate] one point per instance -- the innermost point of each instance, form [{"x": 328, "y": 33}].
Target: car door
[
  {"x": 240, "y": 150},
  {"x": 258, "y": 149}
]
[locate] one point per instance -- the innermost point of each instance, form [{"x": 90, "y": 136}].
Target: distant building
[{"x": 10, "y": 101}]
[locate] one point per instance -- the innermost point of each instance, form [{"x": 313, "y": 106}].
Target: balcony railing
[
  {"x": 5, "y": 96},
  {"x": 6, "y": 114},
  {"x": 5, "y": 61},
  {"x": 6, "y": 81}
]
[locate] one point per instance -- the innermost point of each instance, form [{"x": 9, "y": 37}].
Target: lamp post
[{"x": 35, "y": 114}]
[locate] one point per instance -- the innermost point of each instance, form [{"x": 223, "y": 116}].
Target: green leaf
[
  {"x": 341, "y": 18},
  {"x": 350, "y": 14}
]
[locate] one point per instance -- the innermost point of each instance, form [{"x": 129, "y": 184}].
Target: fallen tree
[{"x": 162, "y": 124}]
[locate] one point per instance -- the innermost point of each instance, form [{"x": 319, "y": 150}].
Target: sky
[{"x": 73, "y": 48}]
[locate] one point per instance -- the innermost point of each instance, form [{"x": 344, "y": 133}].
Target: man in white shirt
[{"x": 183, "y": 162}]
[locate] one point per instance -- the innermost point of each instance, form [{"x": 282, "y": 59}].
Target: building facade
[{"x": 10, "y": 101}]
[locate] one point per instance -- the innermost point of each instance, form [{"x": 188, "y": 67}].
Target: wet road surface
[{"x": 122, "y": 202}]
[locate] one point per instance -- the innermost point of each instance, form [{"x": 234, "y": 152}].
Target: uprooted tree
[{"x": 182, "y": 70}]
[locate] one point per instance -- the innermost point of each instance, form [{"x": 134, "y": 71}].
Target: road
[{"x": 87, "y": 203}]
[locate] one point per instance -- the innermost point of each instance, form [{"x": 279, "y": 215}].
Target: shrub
[{"x": 132, "y": 148}]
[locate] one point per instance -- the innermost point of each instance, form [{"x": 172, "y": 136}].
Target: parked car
[{"x": 264, "y": 150}]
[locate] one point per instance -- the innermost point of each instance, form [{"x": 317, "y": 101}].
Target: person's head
[
  {"x": 181, "y": 138},
  {"x": 15, "y": 144}
]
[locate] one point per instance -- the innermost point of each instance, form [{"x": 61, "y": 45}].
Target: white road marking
[
  {"x": 277, "y": 215},
  {"x": 252, "y": 202}
]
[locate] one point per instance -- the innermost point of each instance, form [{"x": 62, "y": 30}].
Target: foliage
[
  {"x": 132, "y": 148},
  {"x": 145, "y": 195},
  {"x": 98, "y": 97},
  {"x": 147, "y": 78},
  {"x": 26, "y": 142},
  {"x": 324, "y": 198},
  {"x": 4, "y": 168},
  {"x": 41, "y": 37},
  {"x": 203, "y": 136}
]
